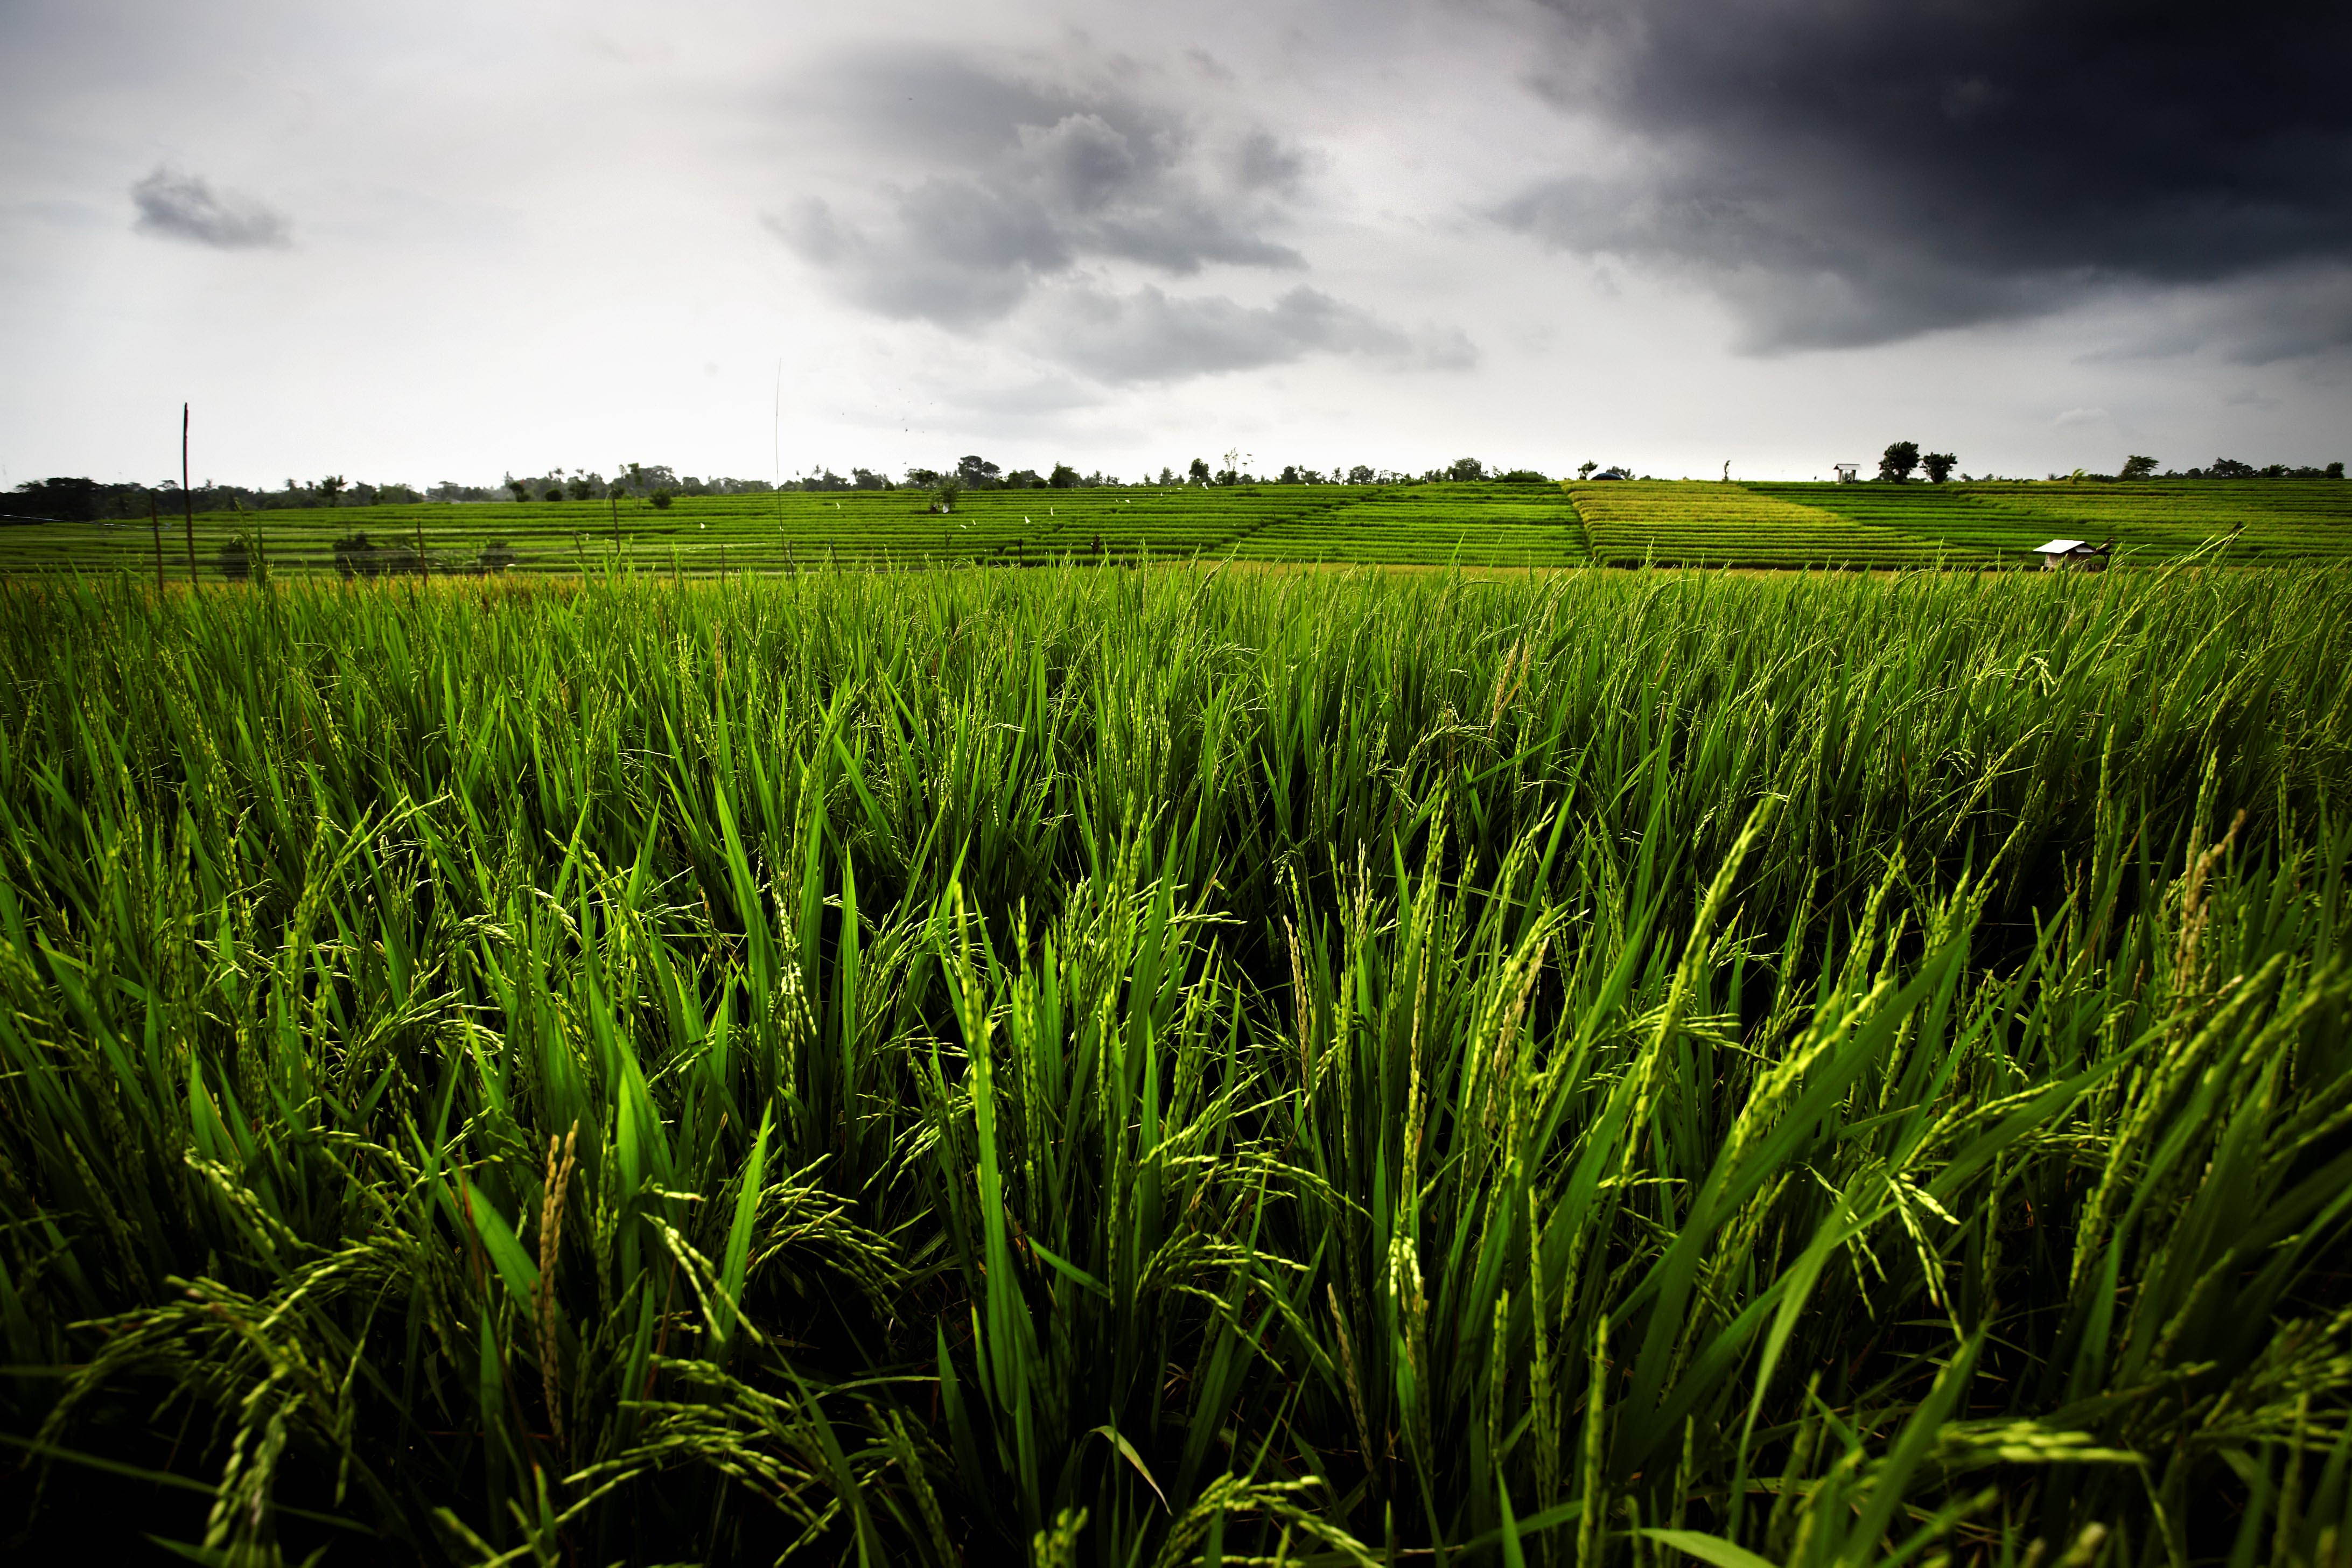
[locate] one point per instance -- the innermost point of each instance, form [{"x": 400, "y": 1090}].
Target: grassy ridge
[{"x": 1308, "y": 1067}]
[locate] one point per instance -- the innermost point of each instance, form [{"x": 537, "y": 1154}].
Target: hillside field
[
  {"x": 1483, "y": 525},
  {"x": 1180, "y": 1066}
]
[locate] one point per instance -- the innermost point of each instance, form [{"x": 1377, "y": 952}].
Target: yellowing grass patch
[{"x": 1708, "y": 523}]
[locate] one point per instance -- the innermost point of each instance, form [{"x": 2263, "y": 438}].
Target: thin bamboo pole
[{"x": 188, "y": 501}]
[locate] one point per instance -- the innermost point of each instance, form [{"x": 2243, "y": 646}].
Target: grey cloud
[
  {"x": 1149, "y": 335},
  {"x": 1264, "y": 162},
  {"x": 925, "y": 272},
  {"x": 1017, "y": 181},
  {"x": 184, "y": 207},
  {"x": 2302, "y": 311},
  {"x": 2289, "y": 313},
  {"x": 1848, "y": 174}
]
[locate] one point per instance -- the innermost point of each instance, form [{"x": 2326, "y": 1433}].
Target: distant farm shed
[{"x": 2060, "y": 554}]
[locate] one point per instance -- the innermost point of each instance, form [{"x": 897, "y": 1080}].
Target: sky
[{"x": 434, "y": 241}]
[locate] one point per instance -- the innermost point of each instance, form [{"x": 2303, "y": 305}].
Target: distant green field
[
  {"x": 1707, "y": 523},
  {"x": 1694, "y": 523},
  {"x": 703, "y": 535},
  {"x": 2272, "y": 519}
]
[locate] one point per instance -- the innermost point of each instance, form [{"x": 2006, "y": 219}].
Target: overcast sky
[{"x": 428, "y": 240}]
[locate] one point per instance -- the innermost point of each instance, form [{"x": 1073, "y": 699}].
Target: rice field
[
  {"x": 2145, "y": 519},
  {"x": 1709, "y": 523},
  {"x": 1632, "y": 523},
  {"x": 1178, "y": 1066},
  {"x": 1635, "y": 524}
]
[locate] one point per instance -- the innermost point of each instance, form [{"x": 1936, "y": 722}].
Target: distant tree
[
  {"x": 661, "y": 499},
  {"x": 235, "y": 563},
  {"x": 1463, "y": 469},
  {"x": 366, "y": 494},
  {"x": 1167, "y": 476},
  {"x": 1899, "y": 459},
  {"x": 868, "y": 479},
  {"x": 1289, "y": 475},
  {"x": 66, "y": 500},
  {"x": 922, "y": 478},
  {"x": 1938, "y": 465},
  {"x": 554, "y": 492},
  {"x": 1361, "y": 474},
  {"x": 331, "y": 489},
  {"x": 521, "y": 488},
  {"x": 1524, "y": 477},
  {"x": 2230, "y": 469},
  {"x": 976, "y": 472},
  {"x": 1199, "y": 472},
  {"x": 1584, "y": 470},
  {"x": 2333, "y": 471},
  {"x": 1063, "y": 477},
  {"x": 496, "y": 556},
  {"x": 586, "y": 487},
  {"x": 947, "y": 492},
  {"x": 2137, "y": 468}
]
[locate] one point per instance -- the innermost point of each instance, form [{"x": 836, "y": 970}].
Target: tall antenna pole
[
  {"x": 187, "y": 498},
  {"x": 776, "y": 457}
]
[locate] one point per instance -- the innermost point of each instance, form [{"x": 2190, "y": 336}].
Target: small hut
[
  {"x": 2062, "y": 554},
  {"x": 1847, "y": 473}
]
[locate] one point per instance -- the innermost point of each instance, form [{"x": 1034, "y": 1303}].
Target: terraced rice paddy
[
  {"x": 1694, "y": 523},
  {"x": 1433, "y": 525},
  {"x": 1177, "y": 1065},
  {"x": 2150, "y": 519},
  {"x": 702, "y": 536},
  {"x": 1704, "y": 523}
]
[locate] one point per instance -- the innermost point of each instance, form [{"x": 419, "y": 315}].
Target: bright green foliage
[
  {"x": 1490, "y": 524},
  {"x": 1096, "y": 1066}
]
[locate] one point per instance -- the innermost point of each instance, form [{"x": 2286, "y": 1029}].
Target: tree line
[
  {"x": 1903, "y": 459},
  {"x": 81, "y": 500}
]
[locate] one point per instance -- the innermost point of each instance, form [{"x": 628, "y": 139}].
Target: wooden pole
[{"x": 188, "y": 499}]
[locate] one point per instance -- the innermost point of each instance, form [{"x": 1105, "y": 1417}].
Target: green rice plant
[{"x": 1179, "y": 1065}]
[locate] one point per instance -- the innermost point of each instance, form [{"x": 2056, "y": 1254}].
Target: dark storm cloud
[
  {"x": 1148, "y": 335},
  {"x": 183, "y": 207},
  {"x": 1855, "y": 170},
  {"x": 1014, "y": 180}
]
